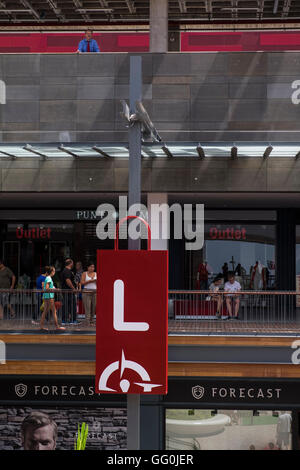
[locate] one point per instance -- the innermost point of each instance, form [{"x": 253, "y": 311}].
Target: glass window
[
  {"x": 246, "y": 249},
  {"x": 297, "y": 250},
  {"x": 298, "y": 264},
  {"x": 228, "y": 429},
  {"x": 28, "y": 247},
  {"x": 246, "y": 215}
]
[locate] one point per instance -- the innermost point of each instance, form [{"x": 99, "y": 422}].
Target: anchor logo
[{"x": 124, "y": 383}]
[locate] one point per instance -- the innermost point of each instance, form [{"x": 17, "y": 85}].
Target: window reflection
[
  {"x": 297, "y": 250},
  {"x": 228, "y": 429},
  {"x": 248, "y": 250}
]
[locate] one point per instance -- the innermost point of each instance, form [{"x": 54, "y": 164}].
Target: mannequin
[
  {"x": 202, "y": 276},
  {"x": 258, "y": 277}
]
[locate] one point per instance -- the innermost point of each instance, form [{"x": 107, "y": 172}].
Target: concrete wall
[
  {"x": 192, "y": 97},
  {"x": 162, "y": 175},
  {"x": 187, "y": 95}
]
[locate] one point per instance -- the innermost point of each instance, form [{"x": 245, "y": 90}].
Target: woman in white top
[{"x": 89, "y": 282}]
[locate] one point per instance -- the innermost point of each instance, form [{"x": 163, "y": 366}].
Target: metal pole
[
  {"x": 135, "y": 140},
  {"x": 134, "y": 197}
]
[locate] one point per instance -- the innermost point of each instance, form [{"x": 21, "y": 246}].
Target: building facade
[{"x": 230, "y": 140}]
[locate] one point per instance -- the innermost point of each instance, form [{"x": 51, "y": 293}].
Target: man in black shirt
[{"x": 68, "y": 283}]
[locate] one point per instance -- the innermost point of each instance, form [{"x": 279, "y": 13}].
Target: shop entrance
[
  {"x": 27, "y": 259},
  {"x": 28, "y": 248}
]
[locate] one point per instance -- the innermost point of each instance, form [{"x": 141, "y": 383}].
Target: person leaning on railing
[
  {"x": 88, "y": 44},
  {"x": 89, "y": 285},
  {"x": 214, "y": 288}
]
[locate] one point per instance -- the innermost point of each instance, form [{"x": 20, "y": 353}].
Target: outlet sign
[
  {"x": 228, "y": 233},
  {"x": 34, "y": 233}
]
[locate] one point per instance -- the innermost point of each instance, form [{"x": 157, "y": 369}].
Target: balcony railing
[
  {"x": 247, "y": 312},
  {"x": 198, "y": 312}
]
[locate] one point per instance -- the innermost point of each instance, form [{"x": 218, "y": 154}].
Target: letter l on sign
[{"x": 119, "y": 323}]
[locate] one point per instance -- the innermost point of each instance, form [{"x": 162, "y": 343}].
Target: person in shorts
[
  {"x": 48, "y": 298},
  {"x": 214, "y": 288},
  {"x": 232, "y": 297}
]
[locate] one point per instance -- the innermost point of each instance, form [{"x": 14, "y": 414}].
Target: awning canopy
[{"x": 169, "y": 150}]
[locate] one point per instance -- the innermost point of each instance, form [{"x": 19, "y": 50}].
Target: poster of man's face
[
  {"x": 56, "y": 428},
  {"x": 39, "y": 432}
]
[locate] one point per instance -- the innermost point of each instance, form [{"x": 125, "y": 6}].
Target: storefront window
[
  {"x": 228, "y": 429},
  {"x": 246, "y": 249},
  {"x": 297, "y": 264},
  {"x": 28, "y": 247},
  {"x": 298, "y": 250}
]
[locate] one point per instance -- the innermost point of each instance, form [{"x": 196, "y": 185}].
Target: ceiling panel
[{"x": 95, "y": 11}]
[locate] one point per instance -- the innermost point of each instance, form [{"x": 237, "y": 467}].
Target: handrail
[
  {"x": 259, "y": 311},
  {"x": 38, "y": 291},
  {"x": 171, "y": 291},
  {"x": 222, "y": 292}
]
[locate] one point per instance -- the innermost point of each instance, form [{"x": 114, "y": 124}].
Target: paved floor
[
  {"x": 27, "y": 326},
  {"x": 222, "y": 327},
  {"x": 233, "y": 326}
]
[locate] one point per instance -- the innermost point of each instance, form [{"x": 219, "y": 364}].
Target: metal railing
[
  {"x": 188, "y": 311},
  {"x": 245, "y": 312},
  {"x": 23, "y": 309}
]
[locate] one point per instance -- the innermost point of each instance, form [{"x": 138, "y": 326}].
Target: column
[
  {"x": 158, "y": 25},
  {"x": 285, "y": 250},
  {"x": 152, "y": 419},
  {"x": 134, "y": 197},
  {"x": 176, "y": 247}
]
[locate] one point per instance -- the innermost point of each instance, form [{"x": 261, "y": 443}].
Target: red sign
[
  {"x": 229, "y": 233},
  {"x": 132, "y": 322},
  {"x": 33, "y": 233}
]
